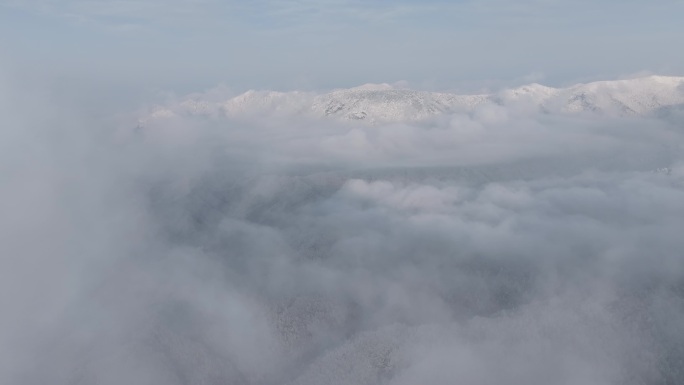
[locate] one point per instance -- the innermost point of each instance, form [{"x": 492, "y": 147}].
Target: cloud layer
[{"x": 499, "y": 244}]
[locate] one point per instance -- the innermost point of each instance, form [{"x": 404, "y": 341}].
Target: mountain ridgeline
[{"x": 383, "y": 103}]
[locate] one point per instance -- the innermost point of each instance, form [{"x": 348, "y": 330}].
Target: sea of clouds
[{"x": 501, "y": 245}]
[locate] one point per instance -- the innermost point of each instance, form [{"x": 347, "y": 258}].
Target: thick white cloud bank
[{"x": 497, "y": 239}]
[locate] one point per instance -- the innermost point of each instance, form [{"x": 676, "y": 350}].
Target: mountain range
[{"x": 384, "y": 103}]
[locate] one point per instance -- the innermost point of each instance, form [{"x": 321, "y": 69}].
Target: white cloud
[{"x": 275, "y": 246}]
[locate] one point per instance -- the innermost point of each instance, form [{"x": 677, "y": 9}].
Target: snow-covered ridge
[{"x": 380, "y": 103}]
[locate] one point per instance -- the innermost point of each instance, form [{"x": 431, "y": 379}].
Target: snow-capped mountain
[
  {"x": 384, "y": 103},
  {"x": 381, "y": 103}
]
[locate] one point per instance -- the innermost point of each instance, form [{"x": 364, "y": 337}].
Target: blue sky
[{"x": 187, "y": 45}]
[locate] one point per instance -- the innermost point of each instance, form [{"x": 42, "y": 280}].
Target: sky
[{"x": 189, "y": 45}]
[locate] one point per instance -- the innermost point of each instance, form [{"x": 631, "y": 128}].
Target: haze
[{"x": 339, "y": 192}]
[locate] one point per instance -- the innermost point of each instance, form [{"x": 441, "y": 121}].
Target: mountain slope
[{"x": 382, "y": 103}]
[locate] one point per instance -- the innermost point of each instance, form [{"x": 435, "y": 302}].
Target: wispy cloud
[
  {"x": 286, "y": 12},
  {"x": 309, "y": 11}
]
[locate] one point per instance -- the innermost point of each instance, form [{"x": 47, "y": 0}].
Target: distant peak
[
  {"x": 382, "y": 102},
  {"x": 372, "y": 87}
]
